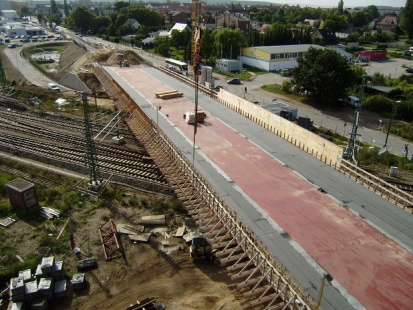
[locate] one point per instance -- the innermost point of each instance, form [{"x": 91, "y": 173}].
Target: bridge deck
[{"x": 374, "y": 269}]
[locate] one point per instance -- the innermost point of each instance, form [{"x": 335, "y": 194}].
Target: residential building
[
  {"x": 387, "y": 23},
  {"x": 133, "y": 23},
  {"x": 324, "y": 36},
  {"x": 173, "y": 17},
  {"x": 228, "y": 20}
]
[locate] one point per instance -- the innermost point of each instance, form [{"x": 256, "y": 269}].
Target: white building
[
  {"x": 274, "y": 58},
  {"x": 9, "y": 14}
]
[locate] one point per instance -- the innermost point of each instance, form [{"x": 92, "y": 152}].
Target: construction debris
[
  {"x": 143, "y": 237},
  {"x": 129, "y": 229},
  {"x": 153, "y": 220},
  {"x": 147, "y": 304},
  {"x": 110, "y": 242},
  {"x": 7, "y": 221},
  {"x": 49, "y": 213},
  {"x": 180, "y": 232}
]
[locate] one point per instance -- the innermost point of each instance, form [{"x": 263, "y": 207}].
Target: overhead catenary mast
[
  {"x": 91, "y": 157},
  {"x": 351, "y": 149}
]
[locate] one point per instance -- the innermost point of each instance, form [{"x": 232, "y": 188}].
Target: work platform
[{"x": 280, "y": 206}]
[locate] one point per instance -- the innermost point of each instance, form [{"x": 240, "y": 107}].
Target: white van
[
  {"x": 411, "y": 49},
  {"x": 352, "y": 101}
]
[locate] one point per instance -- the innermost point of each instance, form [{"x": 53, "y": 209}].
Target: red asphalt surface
[{"x": 373, "y": 268}]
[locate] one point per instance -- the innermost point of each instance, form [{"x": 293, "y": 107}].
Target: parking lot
[{"x": 394, "y": 67}]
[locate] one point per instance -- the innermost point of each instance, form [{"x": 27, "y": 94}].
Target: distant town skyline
[{"x": 347, "y": 4}]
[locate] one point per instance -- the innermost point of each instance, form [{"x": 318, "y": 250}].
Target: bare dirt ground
[{"x": 146, "y": 269}]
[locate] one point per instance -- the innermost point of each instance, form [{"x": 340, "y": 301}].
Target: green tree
[
  {"x": 99, "y": 24},
  {"x": 178, "y": 39},
  {"x": 118, "y": 5},
  {"x": 24, "y": 11},
  {"x": 228, "y": 42},
  {"x": 65, "y": 8},
  {"x": 80, "y": 19},
  {"x": 254, "y": 38},
  {"x": 121, "y": 20},
  {"x": 54, "y": 18},
  {"x": 359, "y": 19},
  {"x": 144, "y": 15},
  {"x": 39, "y": 17},
  {"x": 336, "y": 22},
  {"x": 207, "y": 45},
  {"x": 372, "y": 11},
  {"x": 406, "y": 22},
  {"x": 53, "y": 7},
  {"x": 323, "y": 74},
  {"x": 378, "y": 79},
  {"x": 341, "y": 7},
  {"x": 162, "y": 47}
]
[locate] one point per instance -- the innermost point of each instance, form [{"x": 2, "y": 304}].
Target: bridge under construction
[{"x": 260, "y": 216}]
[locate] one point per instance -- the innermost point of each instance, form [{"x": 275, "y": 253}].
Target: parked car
[
  {"x": 352, "y": 101},
  {"x": 25, "y": 40},
  {"x": 409, "y": 70},
  {"x": 235, "y": 81},
  {"x": 12, "y": 46},
  {"x": 285, "y": 72},
  {"x": 53, "y": 86}
]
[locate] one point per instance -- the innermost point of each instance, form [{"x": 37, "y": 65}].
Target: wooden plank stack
[{"x": 169, "y": 94}]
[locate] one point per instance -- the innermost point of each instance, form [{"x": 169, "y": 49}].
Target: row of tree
[{"x": 336, "y": 18}]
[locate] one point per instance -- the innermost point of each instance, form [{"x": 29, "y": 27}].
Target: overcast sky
[{"x": 347, "y": 3}]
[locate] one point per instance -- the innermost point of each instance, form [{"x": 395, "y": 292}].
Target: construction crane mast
[{"x": 195, "y": 60}]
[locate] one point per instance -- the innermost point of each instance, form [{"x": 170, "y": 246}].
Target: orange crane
[{"x": 195, "y": 60}]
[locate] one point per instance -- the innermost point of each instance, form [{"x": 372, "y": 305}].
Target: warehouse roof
[{"x": 287, "y": 48}]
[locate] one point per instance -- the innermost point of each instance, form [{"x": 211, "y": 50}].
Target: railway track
[
  {"x": 74, "y": 125},
  {"x": 27, "y": 135}
]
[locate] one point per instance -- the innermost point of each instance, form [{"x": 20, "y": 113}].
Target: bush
[
  {"x": 286, "y": 86},
  {"x": 12, "y": 270},
  {"x": 378, "y": 103},
  {"x": 371, "y": 157},
  {"x": 404, "y": 110},
  {"x": 5, "y": 209}
]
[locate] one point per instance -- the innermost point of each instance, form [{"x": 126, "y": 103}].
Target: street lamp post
[
  {"x": 329, "y": 278},
  {"x": 391, "y": 119}
]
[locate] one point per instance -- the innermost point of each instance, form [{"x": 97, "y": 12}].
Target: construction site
[{"x": 187, "y": 197}]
